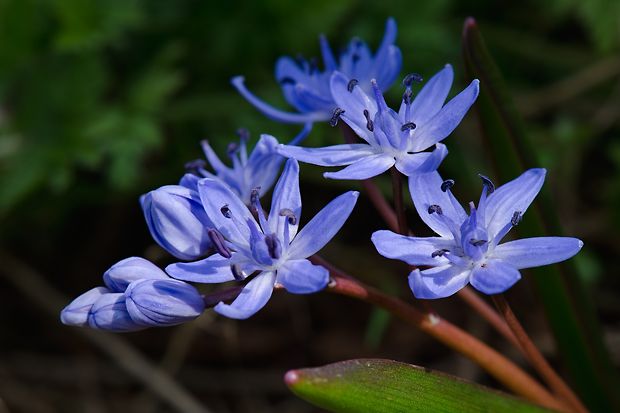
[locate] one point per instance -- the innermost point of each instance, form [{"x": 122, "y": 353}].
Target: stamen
[
  {"x": 439, "y": 253},
  {"x": 195, "y": 166},
  {"x": 291, "y": 218},
  {"x": 314, "y": 67},
  {"x": 408, "y": 96},
  {"x": 447, "y": 185},
  {"x": 352, "y": 84},
  {"x": 412, "y": 77},
  {"x": 236, "y": 272},
  {"x": 243, "y": 134},
  {"x": 335, "y": 117},
  {"x": 435, "y": 209},
  {"x": 273, "y": 246},
  {"x": 254, "y": 196},
  {"x": 408, "y": 126},
  {"x": 225, "y": 210},
  {"x": 231, "y": 149},
  {"x": 477, "y": 242},
  {"x": 219, "y": 243},
  {"x": 487, "y": 183},
  {"x": 369, "y": 124},
  {"x": 516, "y": 218},
  {"x": 287, "y": 81}
]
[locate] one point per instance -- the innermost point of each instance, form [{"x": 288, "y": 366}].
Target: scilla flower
[
  {"x": 307, "y": 88},
  {"x": 392, "y": 138},
  {"x": 468, "y": 248},
  {"x": 268, "y": 251},
  {"x": 259, "y": 169}
]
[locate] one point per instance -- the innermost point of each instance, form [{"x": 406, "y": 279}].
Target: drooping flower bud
[
  {"x": 160, "y": 303},
  {"x": 177, "y": 221},
  {"x": 76, "y": 313},
  {"x": 121, "y": 274},
  {"x": 109, "y": 313}
]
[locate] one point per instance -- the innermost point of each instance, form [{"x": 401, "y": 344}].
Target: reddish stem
[
  {"x": 536, "y": 359},
  {"x": 504, "y": 370}
]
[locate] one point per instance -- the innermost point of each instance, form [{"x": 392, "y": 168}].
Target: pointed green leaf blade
[{"x": 385, "y": 386}]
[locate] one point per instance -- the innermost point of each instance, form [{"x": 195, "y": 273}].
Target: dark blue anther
[
  {"x": 232, "y": 149},
  {"x": 439, "y": 253},
  {"x": 435, "y": 209},
  {"x": 477, "y": 242},
  {"x": 291, "y": 218},
  {"x": 408, "y": 126},
  {"x": 225, "y": 210},
  {"x": 335, "y": 117},
  {"x": 194, "y": 166},
  {"x": 287, "y": 81},
  {"x": 219, "y": 243},
  {"x": 243, "y": 134},
  {"x": 447, "y": 184},
  {"x": 369, "y": 124},
  {"x": 408, "y": 96},
  {"x": 352, "y": 84},
  {"x": 516, "y": 218},
  {"x": 412, "y": 77},
  {"x": 487, "y": 183}
]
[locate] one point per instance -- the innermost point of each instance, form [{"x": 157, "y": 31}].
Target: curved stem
[
  {"x": 399, "y": 204},
  {"x": 536, "y": 359},
  {"x": 504, "y": 370}
]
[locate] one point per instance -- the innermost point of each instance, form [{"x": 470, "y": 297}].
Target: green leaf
[
  {"x": 385, "y": 386},
  {"x": 568, "y": 307}
]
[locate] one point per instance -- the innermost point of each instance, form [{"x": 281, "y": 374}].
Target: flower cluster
[{"x": 213, "y": 219}]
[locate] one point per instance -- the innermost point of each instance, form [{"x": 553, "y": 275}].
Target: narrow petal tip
[{"x": 291, "y": 378}]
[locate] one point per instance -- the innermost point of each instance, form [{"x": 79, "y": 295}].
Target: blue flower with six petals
[
  {"x": 268, "y": 250},
  {"x": 392, "y": 138},
  {"x": 307, "y": 89},
  {"x": 468, "y": 248}
]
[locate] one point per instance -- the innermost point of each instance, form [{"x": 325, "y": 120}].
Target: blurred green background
[{"x": 101, "y": 101}]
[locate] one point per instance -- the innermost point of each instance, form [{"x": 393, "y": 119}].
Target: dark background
[{"x": 101, "y": 101}]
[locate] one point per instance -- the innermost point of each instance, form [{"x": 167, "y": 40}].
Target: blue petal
[
  {"x": 121, "y": 274},
  {"x": 299, "y": 138},
  {"x": 422, "y": 162},
  {"x": 336, "y": 155},
  {"x": 218, "y": 166},
  {"x": 364, "y": 168},
  {"x": 214, "y": 269},
  {"x": 447, "y": 119},
  {"x": 177, "y": 221},
  {"x": 353, "y": 103},
  {"x": 438, "y": 282},
  {"x": 534, "y": 252},
  {"x": 109, "y": 313},
  {"x": 252, "y": 298},
  {"x": 308, "y": 100},
  {"x": 388, "y": 68},
  {"x": 412, "y": 250},
  {"x": 160, "y": 303},
  {"x": 215, "y": 195},
  {"x": 274, "y": 113},
  {"x": 328, "y": 57},
  {"x": 425, "y": 191},
  {"x": 431, "y": 97},
  {"x": 494, "y": 277},
  {"x": 76, "y": 313},
  {"x": 514, "y": 196},
  {"x": 322, "y": 228},
  {"x": 262, "y": 168},
  {"x": 302, "y": 277},
  {"x": 286, "y": 195}
]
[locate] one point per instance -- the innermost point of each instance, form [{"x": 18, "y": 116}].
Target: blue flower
[
  {"x": 468, "y": 248},
  {"x": 177, "y": 221},
  {"x": 258, "y": 170},
  {"x": 399, "y": 139},
  {"x": 137, "y": 295},
  {"x": 269, "y": 251},
  {"x": 307, "y": 89}
]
